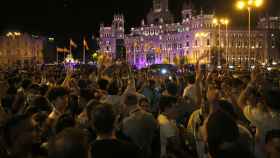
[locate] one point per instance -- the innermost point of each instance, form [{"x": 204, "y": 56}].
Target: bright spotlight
[
  {"x": 258, "y": 3},
  {"x": 240, "y": 5},
  {"x": 51, "y": 39},
  {"x": 163, "y": 71},
  {"x": 269, "y": 68}
]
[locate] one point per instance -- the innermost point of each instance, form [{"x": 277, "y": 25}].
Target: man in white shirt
[
  {"x": 190, "y": 90},
  {"x": 169, "y": 133}
]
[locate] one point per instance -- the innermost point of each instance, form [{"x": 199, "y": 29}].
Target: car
[{"x": 162, "y": 69}]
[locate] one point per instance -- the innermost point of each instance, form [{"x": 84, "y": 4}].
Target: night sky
[{"x": 72, "y": 17}]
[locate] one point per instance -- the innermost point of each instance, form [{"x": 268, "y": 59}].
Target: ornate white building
[
  {"x": 20, "y": 49},
  {"x": 161, "y": 39}
]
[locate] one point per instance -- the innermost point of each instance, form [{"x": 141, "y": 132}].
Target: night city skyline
[
  {"x": 72, "y": 17},
  {"x": 140, "y": 78}
]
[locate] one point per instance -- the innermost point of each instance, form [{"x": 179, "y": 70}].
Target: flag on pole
[
  {"x": 62, "y": 50},
  {"x": 59, "y": 49},
  {"x": 85, "y": 44},
  {"x": 66, "y": 50},
  {"x": 73, "y": 44}
]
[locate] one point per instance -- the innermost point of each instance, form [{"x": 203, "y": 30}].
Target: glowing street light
[
  {"x": 225, "y": 21},
  {"x": 240, "y": 5},
  {"x": 218, "y": 22},
  {"x": 215, "y": 22},
  {"x": 51, "y": 39},
  {"x": 249, "y": 5},
  {"x": 258, "y": 3},
  {"x": 17, "y": 33},
  {"x": 9, "y": 34},
  {"x": 13, "y": 34},
  {"x": 269, "y": 68}
]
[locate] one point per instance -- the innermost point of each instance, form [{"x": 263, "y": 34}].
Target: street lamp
[
  {"x": 13, "y": 34},
  {"x": 225, "y": 22},
  {"x": 216, "y": 22},
  {"x": 249, "y": 5},
  {"x": 219, "y": 22}
]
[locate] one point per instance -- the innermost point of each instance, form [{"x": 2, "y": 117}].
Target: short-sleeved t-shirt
[{"x": 168, "y": 129}]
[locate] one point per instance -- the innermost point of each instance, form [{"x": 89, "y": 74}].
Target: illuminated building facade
[
  {"x": 162, "y": 40},
  {"x": 18, "y": 49},
  {"x": 271, "y": 27}
]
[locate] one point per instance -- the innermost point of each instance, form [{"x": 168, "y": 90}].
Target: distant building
[
  {"x": 20, "y": 49},
  {"x": 271, "y": 26},
  {"x": 161, "y": 39}
]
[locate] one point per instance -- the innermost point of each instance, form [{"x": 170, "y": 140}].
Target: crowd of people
[{"x": 65, "y": 112}]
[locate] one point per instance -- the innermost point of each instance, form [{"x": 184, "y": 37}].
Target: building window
[
  {"x": 180, "y": 45},
  {"x": 208, "y": 42}
]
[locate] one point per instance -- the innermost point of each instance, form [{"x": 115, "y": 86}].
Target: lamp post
[
  {"x": 219, "y": 22},
  {"x": 249, "y": 5},
  {"x": 225, "y": 22}
]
